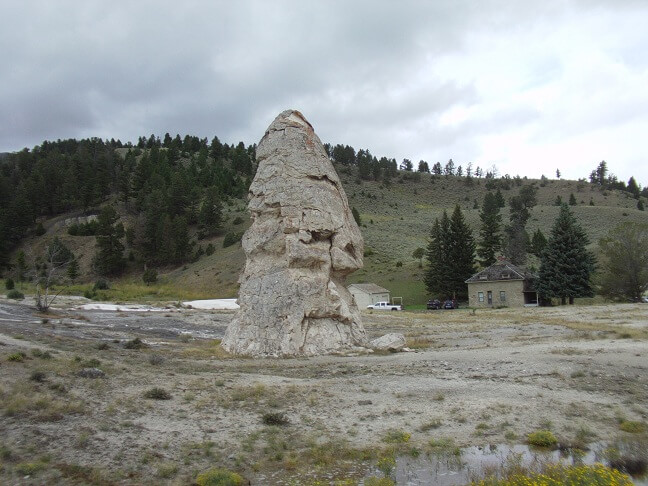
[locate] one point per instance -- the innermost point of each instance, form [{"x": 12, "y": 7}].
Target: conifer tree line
[{"x": 169, "y": 185}]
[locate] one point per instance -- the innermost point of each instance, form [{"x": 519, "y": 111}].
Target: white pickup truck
[{"x": 385, "y": 306}]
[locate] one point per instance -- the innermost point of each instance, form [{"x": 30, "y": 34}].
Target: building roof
[
  {"x": 501, "y": 270},
  {"x": 370, "y": 288}
]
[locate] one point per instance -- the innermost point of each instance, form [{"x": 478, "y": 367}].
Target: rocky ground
[{"x": 470, "y": 379}]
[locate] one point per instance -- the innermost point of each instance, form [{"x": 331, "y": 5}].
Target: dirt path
[{"x": 478, "y": 379}]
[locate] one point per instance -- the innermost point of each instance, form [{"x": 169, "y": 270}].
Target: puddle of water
[{"x": 446, "y": 469}]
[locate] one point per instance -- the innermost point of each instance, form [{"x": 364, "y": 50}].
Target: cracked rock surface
[{"x": 302, "y": 244}]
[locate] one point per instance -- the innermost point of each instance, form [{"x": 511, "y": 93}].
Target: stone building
[
  {"x": 502, "y": 285},
  {"x": 368, "y": 293}
]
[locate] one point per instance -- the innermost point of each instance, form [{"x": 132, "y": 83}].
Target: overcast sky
[{"x": 527, "y": 86}]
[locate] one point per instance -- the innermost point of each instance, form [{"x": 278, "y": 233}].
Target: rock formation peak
[{"x": 301, "y": 245}]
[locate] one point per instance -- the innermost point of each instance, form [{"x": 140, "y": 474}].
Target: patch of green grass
[
  {"x": 219, "y": 477},
  {"x": 395, "y": 436},
  {"x": 542, "y": 438},
  {"x": 632, "y": 426},
  {"x": 17, "y": 357}
]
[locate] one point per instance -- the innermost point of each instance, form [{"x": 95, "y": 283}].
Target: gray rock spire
[{"x": 302, "y": 244}]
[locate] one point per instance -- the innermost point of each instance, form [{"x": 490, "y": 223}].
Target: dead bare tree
[{"x": 46, "y": 272}]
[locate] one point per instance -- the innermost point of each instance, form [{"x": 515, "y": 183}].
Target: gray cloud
[{"x": 374, "y": 74}]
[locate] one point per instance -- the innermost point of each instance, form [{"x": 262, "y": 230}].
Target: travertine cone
[{"x": 302, "y": 243}]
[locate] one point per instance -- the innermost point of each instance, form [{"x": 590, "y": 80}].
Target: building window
[
  {"x": 480, "y": 296},
  {"x": 490, "y": 297},
  {"x": 502, "y": 296}
]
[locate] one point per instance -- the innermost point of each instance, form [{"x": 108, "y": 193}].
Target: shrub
[
  {"x": 101, "y": 284},
  {"x": 9, "y": 283},
  {"x": 237, "y": 220},
  {"x": 40, "y": 229},
  {"x": 15, "y": 294},
  {"x": 38, "y": 376},
  {"x": 219, "y": 477},
  {"x": 156, "y": 359},
  {"x": 542, "y": 438},
  {"x": 157, "y": 394},
  {"x": 209, "y": 250},
  {"x": 396, "y": 437},
  {"x": 136, "y": 343},
  {"x": 17, "y": 357},
  {"x": 278, "y": 418},
  {"x": 232, "y": 238},
  {"x": 150, "y": 276}
]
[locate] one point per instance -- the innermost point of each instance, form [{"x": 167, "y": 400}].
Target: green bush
[
  {"x": 542, "y": 438},
  {"x": 232, "y": 238},
  {"x": 150, "y": 276},
  {"x": 210, "y": 250},
  {"x": 237, "y": 220},
  {"x": 219, "y": 477},
  {"x": 101, "y": 284},
  {"x": 272, "y": 418},
  {"x": 157, "y": 394},
  {"x": 15, "y": 294},
  {"x": 9, "y": 283},
  {"x": 136, "y": 343}
]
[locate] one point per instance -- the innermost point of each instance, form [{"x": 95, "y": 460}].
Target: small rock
[
  {"x": 91, "y": 373},
  {"x": 364, "y": 402},
  {"x": 389, "y": 342}
]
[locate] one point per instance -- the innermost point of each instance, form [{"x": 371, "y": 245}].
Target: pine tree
[
  {"x": 499, "y": 198},
  {"x": 73, "y": 270},
  {"x": 566, "y": 264},
  {"x": 490, "y": 231},
  {"x": 633, "y": 187},
  {"x": 109, "y": 259},
  {"x": 640, "y": 205},
  {"x": 538, "y": 243},
  {"x": 572, "y": 200},
  {"x": 436, "y": 276},
  {"x": 461, "y": 254},
  {"x": 210, "y": 216}
]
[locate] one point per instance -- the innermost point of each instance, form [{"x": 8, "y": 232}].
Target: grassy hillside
[{"x": 395, "y": 221}]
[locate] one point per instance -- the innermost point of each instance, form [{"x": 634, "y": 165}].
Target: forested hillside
[{"x": 176, "y": 207}]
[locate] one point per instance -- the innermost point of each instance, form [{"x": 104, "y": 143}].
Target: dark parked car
[
  {"x": 450, "y": 304},
  {"x": 433, "y": 304}
]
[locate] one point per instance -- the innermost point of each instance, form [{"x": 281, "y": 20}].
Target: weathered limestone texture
[{"x": 302, "y": 244}]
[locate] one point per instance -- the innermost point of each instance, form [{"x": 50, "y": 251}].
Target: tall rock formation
[{"x": 302, "y": 244}]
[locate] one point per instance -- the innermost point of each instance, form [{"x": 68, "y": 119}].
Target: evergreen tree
[
  {"x": 73, "y": 270},
  {"x": 538, "y": 243},
  {"x": 423, "y": 166},
  {"x": 566, "y": 264},
  {"x": 437, "y": 274},
  {"x": 461, "y": 254},
  {"x": 490, "y": 231},
  {"x": 499, "y": 199},
  {"x": 210, "y": 216},
  {"x": 572, "y": 200},
  {"x": 633, "y": 187},
  {"x": 109, "y": 259},
  {"x": 181, "y": 243},
  {"x": 640, "y": 205}
]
